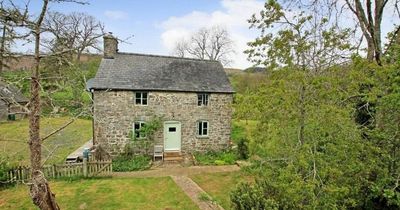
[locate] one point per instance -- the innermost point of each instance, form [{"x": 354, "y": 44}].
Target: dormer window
[
  {"x": 202, "y": 99},
  {"x": 141, "y": 98}
]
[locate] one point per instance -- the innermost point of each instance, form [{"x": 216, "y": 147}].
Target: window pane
[
  {"x": 137, "y": 126},
  {"x": 138, "y": 95},
  {"x": 200, "y": 128},
  {"x": 205, "y": 132},
  {"x": 138, "y": 101},
  {"x": 144, "y": 95},
  {"x": 172, "y": 129},
  {"x": 206, "y": 99},
  {"x": 205, "y": 124},
  {"x": 137, "y": 133},
  {"x": 199, "y": 99},
  {"x": 144, "y": 101}
]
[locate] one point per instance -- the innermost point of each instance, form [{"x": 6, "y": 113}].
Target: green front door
[{"x": 172, "y": 136}]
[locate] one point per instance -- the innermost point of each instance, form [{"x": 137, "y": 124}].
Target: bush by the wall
[
  {"x": 131, "y": 163},
  {"x": 216, "y": 158}
]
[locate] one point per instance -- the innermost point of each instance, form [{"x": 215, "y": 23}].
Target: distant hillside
[
  {"x": 256, "y": 69},
  {"x": 26, "y": 62},
  {"x": 232, "y": 71}
]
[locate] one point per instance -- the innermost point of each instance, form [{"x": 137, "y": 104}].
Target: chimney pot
[{"x": 110, "y": 45}]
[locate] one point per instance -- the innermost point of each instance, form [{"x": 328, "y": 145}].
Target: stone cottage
[
  {"x": 11, "y": 102},
  {"x": 192, "y": 97}
]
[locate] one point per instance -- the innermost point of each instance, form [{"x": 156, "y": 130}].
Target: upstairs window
[
  {"x": 202, "y": 99},
  {"x": 141, "y": 98},
  {"x": 137, "y": 126},
  {"x": 202, "y": 128}
]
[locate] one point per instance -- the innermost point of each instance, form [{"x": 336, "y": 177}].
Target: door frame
[{"x": 180, "y": 133}]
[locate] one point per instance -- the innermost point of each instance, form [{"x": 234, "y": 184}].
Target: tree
[
  {"x": 10, "y": 19},
  {"x": 207, "y": 43},
  {"x": 305, "y": 40},
  {"x": 311, "y": 151},
  {"x": 73, "y": 33},
  {"x": 39, "y": 188},
  {"x": 40, "y": 191},
  {"x": 368, "y": 16}
]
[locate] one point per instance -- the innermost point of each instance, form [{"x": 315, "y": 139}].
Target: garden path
[
  {"x": 176, "y": 171},
  {"x": 194, "y": 191},
  {"x": 180, "y": 176}
]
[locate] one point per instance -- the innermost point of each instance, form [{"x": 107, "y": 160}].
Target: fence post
[{"x": 85, "y": 167}]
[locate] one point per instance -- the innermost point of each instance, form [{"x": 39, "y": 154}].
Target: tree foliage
[{"x": 311, "y": 149}]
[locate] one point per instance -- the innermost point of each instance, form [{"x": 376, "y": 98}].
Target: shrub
[
  {"x": 131, "y": 163},
  {"x": 246, "y": 196},
  {"x": 238, "y": 132},
  {"x": 216, "y": 158},
  {"x": 4, "y": 167},
  {"x": 242, "y": 149}
]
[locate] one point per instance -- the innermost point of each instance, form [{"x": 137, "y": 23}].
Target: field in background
[
  {"x": 56, "y": 148},
  {"x": 122, "y": 193}
]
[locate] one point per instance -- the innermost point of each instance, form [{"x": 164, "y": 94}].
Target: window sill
[{"x": 202, "y": 137}]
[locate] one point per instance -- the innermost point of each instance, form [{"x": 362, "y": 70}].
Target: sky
[{"x": 158, "y": 24}]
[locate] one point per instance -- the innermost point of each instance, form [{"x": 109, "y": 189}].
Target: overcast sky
[{"x": 158, "y": 24}]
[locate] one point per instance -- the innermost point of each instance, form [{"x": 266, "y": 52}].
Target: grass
[
  {"x": 219, "y": 185},
  {"x": 59, "y": 145},
  {"x": 121, "y": 193},
  {"x": 131, "y": 163},
  {"x": 216, "y": 158}
]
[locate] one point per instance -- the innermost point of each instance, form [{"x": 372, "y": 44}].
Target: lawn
[
  {"x": 59, "y": 145},
  {"x": 219, "y": 185},
  {"x": 118, "y": 193}
]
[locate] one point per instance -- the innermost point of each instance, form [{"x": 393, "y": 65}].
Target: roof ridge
[{"x": 166, "y": 56}]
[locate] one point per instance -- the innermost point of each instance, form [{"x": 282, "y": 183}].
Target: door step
[{"x": 173, "y": 156}]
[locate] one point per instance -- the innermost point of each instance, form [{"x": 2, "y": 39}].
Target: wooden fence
[{"x": 85, "y": 169}]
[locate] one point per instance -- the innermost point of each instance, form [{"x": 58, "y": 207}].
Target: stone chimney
[{"x": 110, "y": 46}]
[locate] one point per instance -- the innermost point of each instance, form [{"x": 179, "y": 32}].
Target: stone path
[
  {"x": 198, "y": 195},
  {"x": 177, "y": 171}
]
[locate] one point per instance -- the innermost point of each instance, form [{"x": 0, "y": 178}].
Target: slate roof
[
  {"x": 129, "y": 71},
  {"x": 11, "y": 94}
]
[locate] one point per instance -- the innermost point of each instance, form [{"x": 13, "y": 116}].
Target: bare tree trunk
[
  {"x": 2, "y": 48},
  {"x": 39, "y": 187},
  {"x": 370, "y": 21}
]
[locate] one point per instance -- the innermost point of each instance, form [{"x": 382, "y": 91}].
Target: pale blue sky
[{"x": 158, "y": 24}]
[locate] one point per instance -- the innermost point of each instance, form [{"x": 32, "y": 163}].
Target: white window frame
[
  {"x": 141, "y": 124},
  {"x": 141, "y": 98},
  {"x": 203, "y": 99},
  {"x": 200, "y": 128}
]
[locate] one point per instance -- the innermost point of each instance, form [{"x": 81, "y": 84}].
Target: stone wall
[
  {"x": 3, "y": 111},
  {"x": 115, "y": 113}
]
